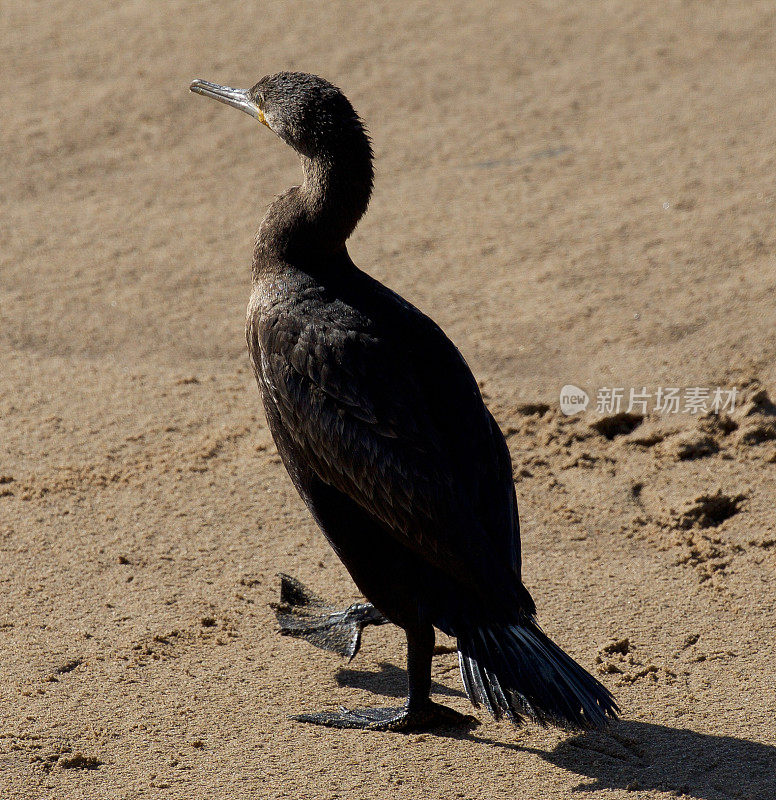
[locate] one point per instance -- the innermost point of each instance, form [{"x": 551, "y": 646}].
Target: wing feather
[{"x": 399, "y": 426}]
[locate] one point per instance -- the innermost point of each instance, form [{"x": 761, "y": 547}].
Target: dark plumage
[{"x": 384, "y": 433}]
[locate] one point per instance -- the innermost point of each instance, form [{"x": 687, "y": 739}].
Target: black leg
[
  {"x": 420, "y": 649},
  {"x": 418, "y": 712}
]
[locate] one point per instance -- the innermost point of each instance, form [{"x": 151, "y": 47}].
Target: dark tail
[{"x": 516, "y": 671}]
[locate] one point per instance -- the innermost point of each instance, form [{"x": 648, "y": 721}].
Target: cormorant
[{"x": 385, "y": 435}]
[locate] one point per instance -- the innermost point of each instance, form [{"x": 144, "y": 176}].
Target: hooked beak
[{"x": 239, "y": 98}]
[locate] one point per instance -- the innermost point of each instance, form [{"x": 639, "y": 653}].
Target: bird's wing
[{"x": 400, "y": 427}]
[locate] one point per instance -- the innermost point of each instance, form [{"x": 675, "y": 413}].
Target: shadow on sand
[
  {"x": 636, "y": 756},
  {"x": 390, "y": 681},
  {"x": 640, "y": 756}
]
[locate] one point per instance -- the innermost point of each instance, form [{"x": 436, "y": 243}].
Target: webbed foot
[
  {"x": 403, "y": 719},
  {"x": 303, "y": 615}
]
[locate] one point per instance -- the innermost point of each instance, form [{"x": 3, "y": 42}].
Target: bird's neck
[
  {"x": 315, "y": 219},
  {"x": 336, "y": 192}
]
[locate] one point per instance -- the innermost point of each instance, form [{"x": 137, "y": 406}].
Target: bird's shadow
[
  {"x": 636, "y": 756},
  {"x": 390, "y": 681},
  {"x": 639, "y": 756}
]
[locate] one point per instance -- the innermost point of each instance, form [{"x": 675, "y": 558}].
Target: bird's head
[{"x": 305, "y": 111}]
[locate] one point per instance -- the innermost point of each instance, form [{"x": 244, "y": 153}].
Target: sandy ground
[{"x": 579, "y": 193}]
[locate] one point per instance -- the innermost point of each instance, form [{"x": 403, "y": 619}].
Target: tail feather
[
  {"x": 481, "y": 687},
  {"x": 517, "y": 671}
]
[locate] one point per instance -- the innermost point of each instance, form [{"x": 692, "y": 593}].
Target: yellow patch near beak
[{"x": 262, "y": 118}]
